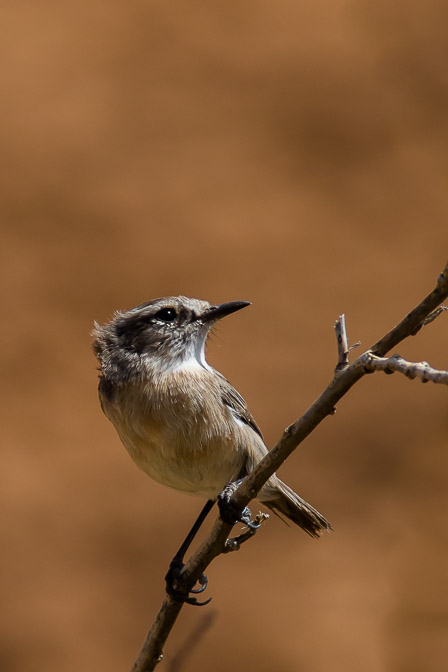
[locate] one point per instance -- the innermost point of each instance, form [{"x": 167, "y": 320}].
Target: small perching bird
[{"x": 181, "y": 421}]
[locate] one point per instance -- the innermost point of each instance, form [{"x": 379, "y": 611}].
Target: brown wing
[{"x": 236, "y": 403}]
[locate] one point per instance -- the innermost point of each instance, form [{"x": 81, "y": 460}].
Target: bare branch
[
  {"x": 416, "y": 319},
  {"x": 152, "y": 650},
  {"x": 339, "y": 386},
  {"x": 345, "y": 377},
  {"x": 432, "y": 316},
  {"x": 421, "y": 370},
  {"x": 341, "y": 336}
]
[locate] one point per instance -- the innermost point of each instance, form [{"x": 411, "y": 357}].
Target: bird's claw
[
  {"x": 246, "y": 519},
  {"x": 231, "y": 514},
  {"x": 203, "y": 582},
  {"x": 173, "y": 577}
]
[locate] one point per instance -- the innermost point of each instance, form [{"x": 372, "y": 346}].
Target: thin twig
[
  {"x": 151, "y": 652},
  {"x": 421, "y": 370},
  {"x": 415, "y": 320},
  {"x": 339, "y": 386},
  {"x": 432, "y": 316},
  {"x": 343, "y": 380},
  {"x": 342, "y": 340}
]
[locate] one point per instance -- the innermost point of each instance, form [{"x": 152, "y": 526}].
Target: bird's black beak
[{"x": 221, "y": 310}]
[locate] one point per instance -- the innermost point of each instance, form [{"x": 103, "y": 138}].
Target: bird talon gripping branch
[
  {"x": 181, "y": 594},
  {"x": 231, "y": 514}
]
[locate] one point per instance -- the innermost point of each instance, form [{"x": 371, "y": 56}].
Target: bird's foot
[
  {"x": 177, "y": 589},
  {"x": 232, "y": 514},
  {"x": 234, "y": 543}
]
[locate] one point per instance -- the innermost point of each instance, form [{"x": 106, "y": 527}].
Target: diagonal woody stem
[
  {"x": 346, "y": 375},
  {"x": 338, "y": 387}
]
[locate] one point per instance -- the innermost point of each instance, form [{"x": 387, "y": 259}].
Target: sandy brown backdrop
[{"x": 293, "y": 154}]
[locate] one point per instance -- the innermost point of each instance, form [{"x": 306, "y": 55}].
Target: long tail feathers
[{"x": 284, "y": 500}]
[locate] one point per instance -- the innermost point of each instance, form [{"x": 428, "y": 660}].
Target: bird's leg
[
  {"x": 177, "y": 564},
  {"x": 229, "y": 513}
]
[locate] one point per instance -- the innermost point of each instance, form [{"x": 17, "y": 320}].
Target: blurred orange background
[{"x": 292, "y": 154}]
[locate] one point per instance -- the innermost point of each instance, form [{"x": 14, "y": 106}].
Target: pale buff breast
[{"x": 178, "y": 431}]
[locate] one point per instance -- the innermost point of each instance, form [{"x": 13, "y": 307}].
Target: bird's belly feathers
[
  {"x": 181, "y": 441},
  {"x": 202, "y": 471}
]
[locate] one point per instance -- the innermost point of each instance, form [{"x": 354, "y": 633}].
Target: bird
[{"x": 181, "y": 421}]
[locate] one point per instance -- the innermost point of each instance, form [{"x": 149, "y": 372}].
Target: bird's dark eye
[{"x": 166, "y": 314}]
